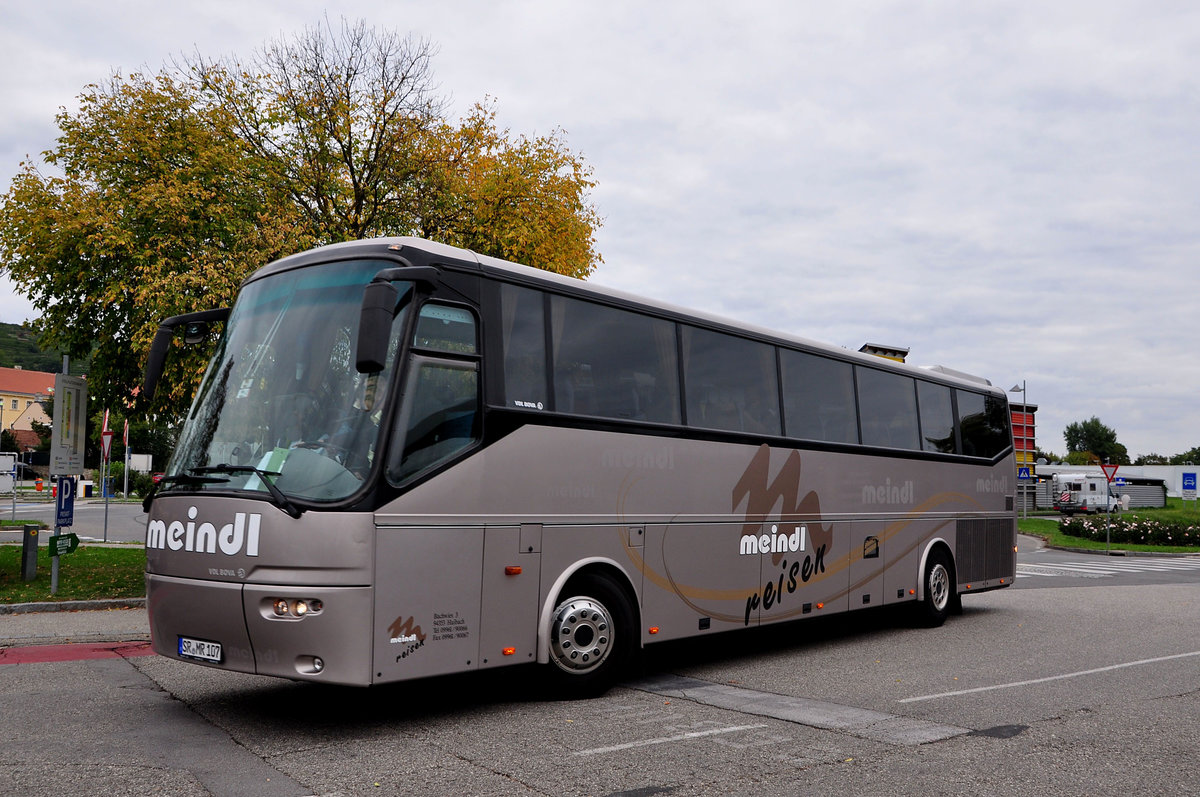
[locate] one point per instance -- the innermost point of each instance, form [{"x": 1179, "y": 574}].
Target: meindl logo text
[{"x": 240, "y": 536}]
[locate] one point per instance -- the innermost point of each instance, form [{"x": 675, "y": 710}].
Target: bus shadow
[
  {"x": 332, "y": 710},
  {"x": 778, "y": 639}
]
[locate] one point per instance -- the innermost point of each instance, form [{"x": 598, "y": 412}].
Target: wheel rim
[
  {"x": 939, "y": 586},
  {"x": 581, "y": 635}
]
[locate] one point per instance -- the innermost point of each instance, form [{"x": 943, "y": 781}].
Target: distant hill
[{"x": 19, "y": 349}]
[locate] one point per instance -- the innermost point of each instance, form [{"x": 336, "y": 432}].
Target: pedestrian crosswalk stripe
[{"x": 1107, "y": 567}]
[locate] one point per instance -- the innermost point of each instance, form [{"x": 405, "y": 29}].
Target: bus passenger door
[
  {"x": 512, "y": 558},
  {"x": 427, "y": 597}
]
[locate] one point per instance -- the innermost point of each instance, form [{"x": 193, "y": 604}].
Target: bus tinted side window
[
  {"x": 887, "y": 404},
  {"x": 442, "y": 415},
  {"x": 524, "y": 336},
  {"x": 818, "y": 398},
  {"x": 444, "y": 328},
  {"x": 984, "y": 423},
  {"x": 612, "y": 363},
  {"x": 730, "y": 383},
  {"x": 937, "y": 417}
]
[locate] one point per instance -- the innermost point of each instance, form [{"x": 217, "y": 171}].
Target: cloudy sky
[{"x": 1007, "y": 188}]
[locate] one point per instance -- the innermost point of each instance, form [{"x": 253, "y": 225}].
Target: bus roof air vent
[{"x": 941, "y": 369}]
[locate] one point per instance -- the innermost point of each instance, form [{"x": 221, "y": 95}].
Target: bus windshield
[{"x": 282, "y": 399}]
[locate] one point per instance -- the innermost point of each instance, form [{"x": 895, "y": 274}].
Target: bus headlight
[{"x": 291, "y": 608}]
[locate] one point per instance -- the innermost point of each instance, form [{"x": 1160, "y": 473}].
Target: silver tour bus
[{"x": 407, "y": 459}]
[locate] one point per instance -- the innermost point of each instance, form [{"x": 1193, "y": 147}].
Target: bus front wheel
[
  {"x": 591, "y": 636},
  {"x": 939, "y": 589}
]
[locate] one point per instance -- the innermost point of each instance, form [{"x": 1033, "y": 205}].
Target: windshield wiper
[
  {"x": 187, "y": 478},
  {"x": 281, "y": 500}
]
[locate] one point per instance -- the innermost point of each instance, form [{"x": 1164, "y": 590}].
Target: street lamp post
[{"x": 1025, "y": 409}]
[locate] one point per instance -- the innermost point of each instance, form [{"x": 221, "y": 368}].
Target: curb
[{"x": 73, "y": 606}]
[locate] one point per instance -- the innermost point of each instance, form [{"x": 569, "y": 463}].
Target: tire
[
  {"x": 591, "y": 637},
  {"x": 940, "y": 592}
]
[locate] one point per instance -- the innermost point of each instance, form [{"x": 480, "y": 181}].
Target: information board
[
  {"x": 8, "y": 472},
  {"x": 70, "y": 414}
]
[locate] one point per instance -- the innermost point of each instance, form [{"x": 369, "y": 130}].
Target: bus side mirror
[
  {"x": 195, "y": 332},
  {"x": 196, "y": 327},
  {"x": 157, "y": 361},
  {"x": 375, "y": 326}
]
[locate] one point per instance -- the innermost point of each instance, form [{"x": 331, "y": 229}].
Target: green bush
[
  {"x": 140, "y": 483},
  {"x": 1134, "y": 530}
]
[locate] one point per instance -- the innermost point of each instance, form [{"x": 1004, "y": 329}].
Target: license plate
[{"x": 199, "y": 649}]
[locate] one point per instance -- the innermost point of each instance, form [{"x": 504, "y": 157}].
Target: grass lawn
[{"x": 90, "y": 573}]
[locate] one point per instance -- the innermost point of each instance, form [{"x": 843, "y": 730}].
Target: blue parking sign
[
  {"x": 1189, "y": 486},
  {"x": 64, "y": 502}
]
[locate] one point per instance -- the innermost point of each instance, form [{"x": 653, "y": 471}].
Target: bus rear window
[{"x": 984, "y": 423}]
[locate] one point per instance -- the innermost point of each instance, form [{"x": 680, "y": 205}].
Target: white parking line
[
  {"x": 1032, "y": 681},
  {"x": 667, "y": 739}
]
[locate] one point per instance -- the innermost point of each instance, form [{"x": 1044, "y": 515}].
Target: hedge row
[{"x": 1133, "y": 531}]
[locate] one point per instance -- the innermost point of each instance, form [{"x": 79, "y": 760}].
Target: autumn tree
[
  {"x": 151, "y": 208},
  {"x": 164, "y": 192},
  {"x": 523, "y": 199}
]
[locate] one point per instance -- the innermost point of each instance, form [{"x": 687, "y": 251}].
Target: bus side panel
[
  {"x": 869, "y": 546},
  {"x": 886, "y": 559},
  {"x": 427, "y": 597},
  {"x": 616, "y": 550},
  {"x": 693, "y": 572},
  {"x": 509, "y": 606},
  {"x": 811, "y": 581},
  {"x": 901, "y": 554}
]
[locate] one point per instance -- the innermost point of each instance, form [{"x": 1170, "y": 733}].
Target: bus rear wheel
[
  {"x": 939, "y": 586},
  {"x": 591, "y": 636}
]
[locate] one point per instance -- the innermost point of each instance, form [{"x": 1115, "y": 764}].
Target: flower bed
[{"x": 1133, "y": 531}]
